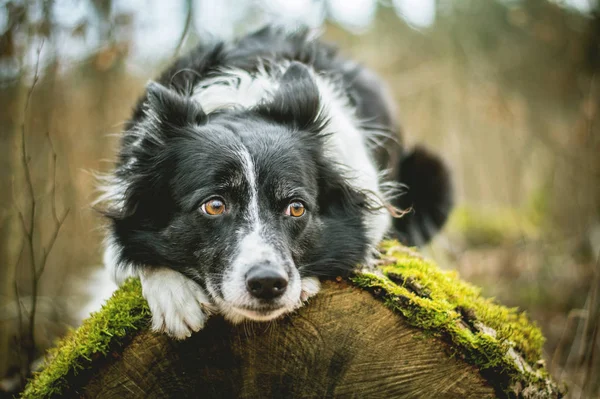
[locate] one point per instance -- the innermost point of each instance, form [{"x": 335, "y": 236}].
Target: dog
[{"x": 252, "y": 169}]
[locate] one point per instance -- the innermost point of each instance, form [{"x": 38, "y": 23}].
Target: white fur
[
  {"x": 250, "y": 174},
  {"x": 119, "y": 272},
  {"x": 179, "y": 306},
  {"x": 253, "y": 250},
  {"x": 347, "y": 143},
  {"x": 112, "y": 191},
  {"x": 310, "y": 288},
  {"x": 235, "y": 88},
  {"x": 104, "y": 287}
]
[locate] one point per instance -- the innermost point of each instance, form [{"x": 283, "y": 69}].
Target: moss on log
[{"x": 407, "y": 329}]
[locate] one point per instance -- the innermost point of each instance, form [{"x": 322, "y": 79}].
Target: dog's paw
[
  {"x": 179, "y": 306},
  {"x": 310, "y": 287}
]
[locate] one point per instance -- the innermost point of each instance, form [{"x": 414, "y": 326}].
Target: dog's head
[{"x": 245, "y": 202}]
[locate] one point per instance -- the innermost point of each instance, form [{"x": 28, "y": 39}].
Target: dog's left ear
[
  {"x": 172, "y": 108},
  {"x": 296, "y": 102}
]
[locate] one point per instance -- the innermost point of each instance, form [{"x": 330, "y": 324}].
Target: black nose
[{"x": 265, "y": 283}]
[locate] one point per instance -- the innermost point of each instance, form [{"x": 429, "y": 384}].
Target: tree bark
[
  {"x": 406, "y": 330},
  {"x": 345, "y": 343}
]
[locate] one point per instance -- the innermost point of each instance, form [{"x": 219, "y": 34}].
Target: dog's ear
[
  {"x": 170, "y": 108},
  {"x": 296, "y": 102},
  {"x": 146, "y": 161},
  {"x": 342, "y": 209}
]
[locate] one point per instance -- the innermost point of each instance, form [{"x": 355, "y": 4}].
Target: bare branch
[
  {"x": 29, "y": 342},
  {"x": 23, "y": 223},
  {"x": 25, "y": 162},
  {"x": 36, "y": 77},
  {"x": 590, "y": 333},
  {"x": 37, "y": 266},
  {"x": 53, "y": 189},
  {"x": 574, "y": 314},
  {"x": 186, "y": 28},
  {"x": 590, "y": 120},
  {"x": 59, "y": 223},
  {"x": 20, "y": 329}
]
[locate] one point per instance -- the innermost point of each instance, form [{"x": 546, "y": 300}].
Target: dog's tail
[{"x": 429, "y": 197}]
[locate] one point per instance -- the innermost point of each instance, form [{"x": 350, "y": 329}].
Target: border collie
[{"x": 251, "y": 169}]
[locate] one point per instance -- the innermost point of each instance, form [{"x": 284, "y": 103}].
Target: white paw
[
  {"x": 310, "y": 287},
  {"x": 179, "y": 305}
]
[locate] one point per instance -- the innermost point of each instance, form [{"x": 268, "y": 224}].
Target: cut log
[{"x": 407, "y": 330}]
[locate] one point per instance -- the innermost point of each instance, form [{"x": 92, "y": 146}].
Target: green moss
[
  {"x": 494, "y": 338},
  {"x": 498, "y": 340},
  {"x": 125, "y": 312},
  {"x": 481, "y": 227}
]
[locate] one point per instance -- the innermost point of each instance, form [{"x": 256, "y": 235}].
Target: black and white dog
[{"x": 251, "y": 169}]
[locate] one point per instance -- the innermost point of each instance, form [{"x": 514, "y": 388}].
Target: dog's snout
[{"x": 265, "y": 283}]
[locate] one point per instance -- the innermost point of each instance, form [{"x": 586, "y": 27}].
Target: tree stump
[{"x": 407, "y": 330}]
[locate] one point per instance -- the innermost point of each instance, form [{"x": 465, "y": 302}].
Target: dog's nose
[{"x": 265, "y": 283}]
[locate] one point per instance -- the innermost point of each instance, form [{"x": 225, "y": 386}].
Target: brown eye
[
  {"x": 295, "y": 209},
  {"x": 214, "y": 207}
]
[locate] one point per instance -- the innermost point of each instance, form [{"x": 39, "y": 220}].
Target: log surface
[{"x": 346, "y": 344}]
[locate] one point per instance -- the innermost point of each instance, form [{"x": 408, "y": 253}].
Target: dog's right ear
[
  {"x": 169, "y": 108},
  {"x": 144, "y": 171},
  {"x": 297, "y": 101}
]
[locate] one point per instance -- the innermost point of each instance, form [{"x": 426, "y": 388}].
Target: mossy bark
[
  {"x": 411, "y": 331},
  {"x": 345, "y": 344}
]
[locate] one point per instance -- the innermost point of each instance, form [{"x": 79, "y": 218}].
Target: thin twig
[
  {"x": 28, "y": 343},
  {"x": 186, "y": 29},
  {"x": 590, "y": 99},
  {"x": 53, "y": 187},
  {"x": 29, "y": 232},
  {"x": 22, "y": 366},
  {"x": 590, "y": 334},
  {"x": 58, "y": 221},
  {"x": 50, "y": 245},
  {"x": 573, "y": 314},
  {"x": 37, "y": 266},
  {"x": 23, "y": 223}
]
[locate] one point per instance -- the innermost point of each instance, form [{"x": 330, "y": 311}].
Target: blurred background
[{"x": 506, "y": 91}]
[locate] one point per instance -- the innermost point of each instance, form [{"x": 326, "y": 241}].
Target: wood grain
[{"x": 346, "y": 344}]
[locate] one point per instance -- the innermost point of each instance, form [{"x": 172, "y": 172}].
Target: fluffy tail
[{"x": 429, "y": 196}]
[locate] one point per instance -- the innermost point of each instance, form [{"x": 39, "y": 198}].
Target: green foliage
[
  {"x": 494, "y": 227},
  {"x": 124, "y": 313}
]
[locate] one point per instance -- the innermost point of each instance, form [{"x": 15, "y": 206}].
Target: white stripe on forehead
[
  {"x": 249, "y": 170},
  {"x": 346, "y": 142}
]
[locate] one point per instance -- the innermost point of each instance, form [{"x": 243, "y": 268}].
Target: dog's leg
[
  {"x": 310, "y": 287},
  {"x": 179, "y": 305}
]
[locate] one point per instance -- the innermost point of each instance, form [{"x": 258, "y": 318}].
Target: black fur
[
  {"x": 429, "y": 197},
  {"x": 174, "y": 158}
]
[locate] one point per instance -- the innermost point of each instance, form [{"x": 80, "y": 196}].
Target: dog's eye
[
  {"x": 295, "y": 209},
  {"x": 213, "y": 207}
]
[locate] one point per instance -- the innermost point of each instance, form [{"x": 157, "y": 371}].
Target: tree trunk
[{"x": 347, "y": 342}]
